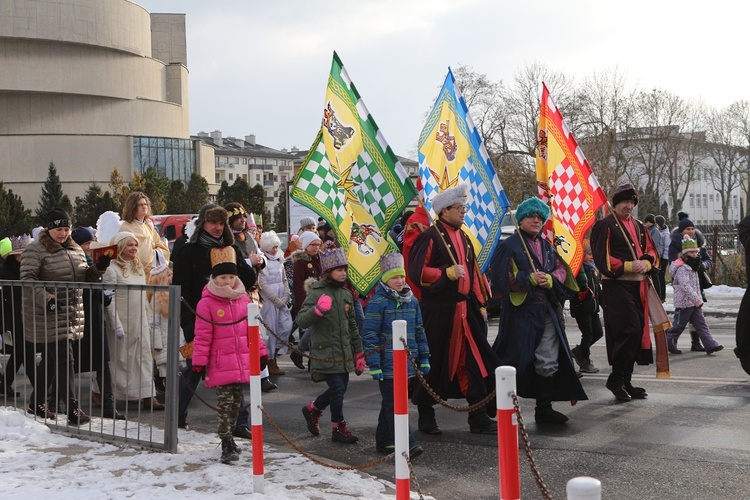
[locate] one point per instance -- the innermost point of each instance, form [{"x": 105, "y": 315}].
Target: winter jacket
[
  {"x": 306, "y": 266},
  {"x": 382, "y": 310},
  {"x": 223, "y": 349},
  {"x": 666, "y": 238},
  {"x": 334, "y": 335},
  {"x": 675, "y": 246},
  {"x": 687, "y": 289},
  {"x": 47, "y": 260},
  {"x": 587, "y": 300}
]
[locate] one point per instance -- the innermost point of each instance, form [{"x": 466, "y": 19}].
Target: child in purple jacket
[
  {"x": 220, "y": 345},
  {"x": 688, "y": 302}
]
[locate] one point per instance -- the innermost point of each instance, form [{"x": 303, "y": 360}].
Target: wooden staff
[{"x": 657, "y": 316}]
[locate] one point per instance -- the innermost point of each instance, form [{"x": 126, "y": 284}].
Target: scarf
[
  {"x": 693, "y": 262},
  {"x": 208, "y": 241},
  {"x": 402, "y": 297},
  {"x": 227, "y": 292}
]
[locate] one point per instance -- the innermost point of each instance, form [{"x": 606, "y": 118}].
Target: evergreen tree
[
  {"x": 279, "y": 212},
  {"x": 156, "y": 186},
  {"x": 177, "y": 198},
  {"x": 118, "y": 188},
  {"x": 257, "y": 203},
  {"x": 15, "y": 220},
  {"x": 238, "y": 192},
  {"x": 92, "y": 205},
  {"x": 52, "y": 197},
  {"x": 197, "y": 193},
  {"x": 225, "y": 193}
]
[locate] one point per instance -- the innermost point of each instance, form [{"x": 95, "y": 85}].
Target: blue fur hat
[
  {"x": 333, "y": 258},
  {"x": 530, "y": 207}
]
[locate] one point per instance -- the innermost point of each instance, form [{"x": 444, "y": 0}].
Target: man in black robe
[
  {"x": 742, "y": 351},
  {"x": 443, "y": 265},
  {"x": 626, "y": 256}
]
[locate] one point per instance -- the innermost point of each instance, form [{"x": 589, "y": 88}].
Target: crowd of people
[{"x": 224, "y": 260}]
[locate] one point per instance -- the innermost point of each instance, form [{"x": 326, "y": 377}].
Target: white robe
[{"x": 274, "y": 289}]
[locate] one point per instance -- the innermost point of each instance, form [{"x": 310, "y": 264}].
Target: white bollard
[{"x": 584, "y": 488}]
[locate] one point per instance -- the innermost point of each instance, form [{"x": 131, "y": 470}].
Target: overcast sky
[{"x": 261, "y": 67}]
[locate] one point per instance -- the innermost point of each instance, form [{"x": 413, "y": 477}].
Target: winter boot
[
  {"x": 77, "y": 416},
  {"x": 235, "y": 447},
  {"x": 616, "y": 382},
  {"x": 695, "y": 342},
  {"x": 634, "y": 392},
  {"x": 297, "y": 360},
  {"x": 427, "y": 422},
  {"x": 588, "y": 367},
  {"x": 481, "y": 423},
  {"x": 273, "y": 368},
  {"x": 267, "y": 386},
  {"x": 104, "y": 381},
  {"x": 312, "y": 415},
  {"x": 672, "y": 346},
  {"x": 576, "y": 352},
  {"x": 341, "y": 434},
  {"x": 228, "y": 453},
  {"x": 544, "y": 414}
]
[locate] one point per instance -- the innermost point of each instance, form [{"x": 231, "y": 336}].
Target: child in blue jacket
[{"x": 393, "y": 300}]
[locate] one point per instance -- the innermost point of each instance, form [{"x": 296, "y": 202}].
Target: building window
[
  {"x": 283, "y": 179},
  {"x": 244, "y": 176},
  {"x": 262, "y": 161},
  {"x": 217, "y": 178},
  {"x": 244, "y": 161},
  {"x": 216, "y": 161},
  {"x": 711, "y": 197},
  {"x": 690, "y": 203},
  {"x": 257, "y": 177},
  {"x": 705, "y": 200},
  {"x": 734, "y": 200},
  {"x": 235, "y": 160},
  {"x": 273, "y": 162},
  {"x": 173, "y": 158},
  {"x": 231, "y": 176}
]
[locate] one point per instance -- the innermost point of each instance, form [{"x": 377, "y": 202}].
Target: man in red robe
[
  {"x": 442, "y": 264},
  {"x": 626, "y": 256}
]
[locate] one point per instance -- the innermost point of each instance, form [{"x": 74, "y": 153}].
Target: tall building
[{"x": 92, "y": 85}]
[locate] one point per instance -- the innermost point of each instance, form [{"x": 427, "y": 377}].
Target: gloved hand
[
  {"x": 424, "y": 366},
  {"x": 323, "y": 306},
  {"x": 263, "y": 362},
  {"x": 376, "y": 373},
  {"x": 119, "y": 332},
  {"x": 51, "y": 305},
  {"x": 198, "y": 368},
  {"x": 584, "y": 294},
  {"x": 103, "y": 263},
  {"x": 359, "y": 363}
]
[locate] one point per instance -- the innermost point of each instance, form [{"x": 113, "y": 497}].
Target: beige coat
[
  {"x": 148, "y": 241},
  {"x": 47, "y": 260}
]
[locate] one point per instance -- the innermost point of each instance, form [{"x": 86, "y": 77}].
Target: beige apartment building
[{"x": 92, "y": 85}]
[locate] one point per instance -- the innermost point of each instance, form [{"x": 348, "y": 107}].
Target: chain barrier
[
  {"x": 527, "y": 448},
  {"x": 461, "y": 409},
  {"x": 228, "y": 323},
  {"x": 214, "y": 408}
]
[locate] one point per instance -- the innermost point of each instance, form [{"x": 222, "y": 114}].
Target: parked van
[{"x": 170, "y": 226}]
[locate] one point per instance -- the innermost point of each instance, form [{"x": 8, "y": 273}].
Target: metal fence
[
  {"x": 722, "y": 237},
  {"x": 62, "y": 374}
]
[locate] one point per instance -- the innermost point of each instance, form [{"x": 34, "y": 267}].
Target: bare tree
[
  {"x": 739, "y": 113},
  {"x": 728, "y": 159}
]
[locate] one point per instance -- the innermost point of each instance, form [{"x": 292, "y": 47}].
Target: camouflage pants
[{"x": 228, "y": 398}]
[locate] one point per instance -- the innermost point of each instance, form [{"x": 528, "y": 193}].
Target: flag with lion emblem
[
  {"x": 451, "y": 151},
  {"x": 352, "y": 178},
  {"x": 566, "y": 183}
]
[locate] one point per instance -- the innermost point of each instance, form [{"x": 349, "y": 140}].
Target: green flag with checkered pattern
[{"x": 352, "y": 179}]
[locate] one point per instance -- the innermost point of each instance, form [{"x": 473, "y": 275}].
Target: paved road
[{"x": 689, "y": 439}]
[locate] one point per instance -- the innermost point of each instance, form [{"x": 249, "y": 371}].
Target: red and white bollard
[
  {"x": 256, "y": 416},
  {"x": 507, "y": 433},
  {"x": 401, "y": 409}
]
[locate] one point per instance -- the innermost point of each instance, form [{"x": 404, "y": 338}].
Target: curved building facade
[{"x": 91, "y": 85}]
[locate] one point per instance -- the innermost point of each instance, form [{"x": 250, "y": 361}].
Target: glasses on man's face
[{"x": 461, "y": 208}]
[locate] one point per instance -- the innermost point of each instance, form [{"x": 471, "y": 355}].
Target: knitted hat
[
  {"x": 57, "y": 217},
  {"x": 235, "y": 210},
  {"x": 308, "y": 237},
  {"x": 689, "y": 244},
  {"x": 456, "y": 195},
  {"x": 82, "y": 235},
  {"x": 160, "y": 264},
  {"x": 391, "y": 265},
  {"x": 660, "y": 220},
  {"x": 682, "y": 215},
  {"x": 623, "y": 193},
  {"x": 684, "y": 224},
  {"x": 306, "y": 221},
  {"x": 5, "y": 247},
  {"x": 530, "y": 207},
  {"x": 223, "y": 261},
  {"x": 333, "y": 258},
  {"x": 650, "y": 218},
  {"x": 268, "y": 240},
  {"x": 121, "y": 236}
]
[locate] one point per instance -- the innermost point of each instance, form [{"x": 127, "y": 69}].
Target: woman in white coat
[
  {"x": 131, "y": 359},
  {"x": 274, "y": 290}
]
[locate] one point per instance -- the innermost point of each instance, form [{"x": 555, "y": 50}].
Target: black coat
[
  {"x": 92, "y": 351},
  {"x": 12, "y": 312},
  {"x": 743, "y": 316},
  {"x": 192, "y": 270}
]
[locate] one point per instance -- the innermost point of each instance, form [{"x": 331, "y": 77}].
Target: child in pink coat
[{"x": 220, "y": 345}]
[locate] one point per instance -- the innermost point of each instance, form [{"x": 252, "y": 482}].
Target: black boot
[
  {"x": 481, "y": 423},
  {"x": 544, "y": 414},
  {"x": 634, "y": 392},
  {"x": 616, "y": 382},
  {"x": 104, "y": 380},
  {"x": 695, "y": 342},
  {"x": 427, "y": 422},
  {"x": 228, "y": 453}
]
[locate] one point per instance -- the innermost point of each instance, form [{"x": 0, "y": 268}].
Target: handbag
[
  {"x": 703, "y": 278},
  {"x": 187, "y": 350}
]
